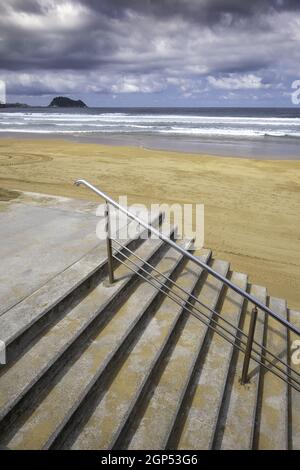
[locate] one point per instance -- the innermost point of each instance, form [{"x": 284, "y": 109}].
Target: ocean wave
[
  {"x": 77, "y": 123},
  {"x": 250, "y": 134},
  {"x": 226, "y": 132},
  {"x": 46, "y": 131},
  {"x": 148, "y": 118}
]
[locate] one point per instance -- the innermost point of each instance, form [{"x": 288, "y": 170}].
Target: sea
[{"x": 267, "y": 133}]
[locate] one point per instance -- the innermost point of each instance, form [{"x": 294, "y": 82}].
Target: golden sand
[{"x": 252, "y": 207}]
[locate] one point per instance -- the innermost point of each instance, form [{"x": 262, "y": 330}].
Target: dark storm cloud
[
  {"x": 207, "y": 12},
  {"x": 125, "y": 46},
  {"x": 188, "y": 7}
]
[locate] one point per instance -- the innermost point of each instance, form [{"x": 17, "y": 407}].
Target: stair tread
[
  {"x": 235, "y": 428},
  {"x": 274, "y": 394},
  {"x": 199, "y": 424},
  {"x": 294, "y": 318},
  {"x": 160, "y": 410},
  {"x": 66, "y": 394},
  {"x": 109, "y": 414},
  {"x": 17, "y": 379}
]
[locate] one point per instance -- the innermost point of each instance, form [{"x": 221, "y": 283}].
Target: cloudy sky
[{"x": 151, "y": 52}]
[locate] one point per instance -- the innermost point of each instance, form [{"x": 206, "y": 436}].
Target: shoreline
[
  {"x": 252, "y": 206},
  {"x": 267, "y": 148}
]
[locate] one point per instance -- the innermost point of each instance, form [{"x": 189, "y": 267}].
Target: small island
[{"x": 64, "y": 102}]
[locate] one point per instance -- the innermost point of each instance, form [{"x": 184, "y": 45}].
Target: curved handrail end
[{"x": 78, "y": 182}]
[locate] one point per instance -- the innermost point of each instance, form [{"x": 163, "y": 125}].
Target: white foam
[{"x": 49, "y": 122}]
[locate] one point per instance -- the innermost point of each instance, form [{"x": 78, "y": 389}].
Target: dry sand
[{"x": 252, "y": 207}]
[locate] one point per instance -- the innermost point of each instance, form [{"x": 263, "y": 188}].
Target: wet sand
[
  {"x": 261, "y": 148},
  {"x": 252, "y": 206}
]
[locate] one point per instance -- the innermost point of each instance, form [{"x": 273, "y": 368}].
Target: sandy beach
[{"x": 252, "y": 206}]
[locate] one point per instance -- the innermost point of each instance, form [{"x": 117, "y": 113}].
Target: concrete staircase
[{"x": 99, "y": 366}]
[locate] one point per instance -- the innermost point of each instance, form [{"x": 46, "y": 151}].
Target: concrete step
[
  {"x": 236, "y": 416},
  {"x": 272, "y": 412},
  {"x": 199, "y": 408},
  {"x": 73, "y": 326},
  {"x": 160, "y": 404},
  {"x": 22, "y": 323},
  {"x": 139, "y": 369},
  {"x": 92, "y": 364},
  {"x": 294, "y": 395}
]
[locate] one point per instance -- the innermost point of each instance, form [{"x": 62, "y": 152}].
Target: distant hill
[
  {"x": 14, "y": 105},
  {"x": 64, "y": 102}
]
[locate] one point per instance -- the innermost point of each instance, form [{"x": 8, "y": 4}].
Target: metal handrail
[
  {"x": 214, "y": 325},
  {"x": 194, "y": 299},
  {"x": 193, "y": 258}
]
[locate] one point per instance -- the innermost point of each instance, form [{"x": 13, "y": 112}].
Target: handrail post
[
  {"x": 109, "y": 245},
  {"x": 244, "y": 378}
]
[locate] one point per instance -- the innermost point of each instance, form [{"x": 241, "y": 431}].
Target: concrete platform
[{"x": 41, "y": 236}]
